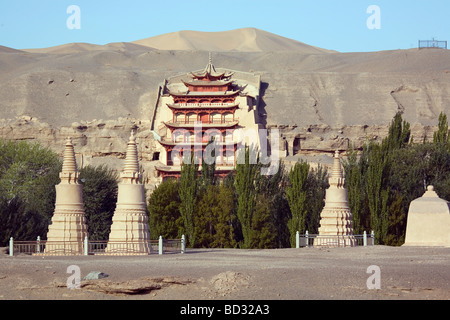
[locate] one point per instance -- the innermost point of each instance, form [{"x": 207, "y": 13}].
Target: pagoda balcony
[
  {"x": 175, "y": 166},
  {"x": 213, "y": 105},
  {"x": 219, "y": 123},
  {"x": 202, "y": 143}
]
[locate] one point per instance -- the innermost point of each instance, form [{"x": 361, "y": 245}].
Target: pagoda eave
[
  {"x": 205, "y": 93},
  {"x": 206, "y": 83},
  {"x": 230, "y": 124},
  {"x": 210, "y": 75},
  {"x": 177, "y": 169},
  {"x": 201, "y": 107},
  {"x": 171, "y": 144}
]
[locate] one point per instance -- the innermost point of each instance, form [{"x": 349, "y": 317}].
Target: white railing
[
  {"x": 316, "y": 240},
  {"x": 86, "y": 247}
]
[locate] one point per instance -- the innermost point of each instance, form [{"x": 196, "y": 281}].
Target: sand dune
[
  {"x": 4, "y": 49},
  {"x": 304, "y": 85},
  {"x": 126, "y": 46},
  {"x": 240, "y": 40},
  {"x": 67, "y": 48},
  {"x": 243, "y": 40}
]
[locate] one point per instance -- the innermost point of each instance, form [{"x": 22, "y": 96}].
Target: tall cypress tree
[
  {"x": 164, "y": 211},
  {"x": 376, "y": 190},
  {"x": 296, "y": 195},
  {"x": 188, "y": 198},
  {"x": 245, "y": 187},
  {"x": 441, "y": 135},
  {"x": 316, "y": 186},
  {"x": 355, "y": 183}
]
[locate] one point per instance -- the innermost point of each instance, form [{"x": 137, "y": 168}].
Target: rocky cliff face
[
  {"x": 96, "y": 142},
  {"x": 320, "y": 101}
]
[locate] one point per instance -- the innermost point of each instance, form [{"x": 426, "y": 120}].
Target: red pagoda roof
[
  {"x": 205, "y": 93},
  {"x": 209, "y": 106},
  {"x": 202, "y": 83},
  {"x": 210, "y": 73}
]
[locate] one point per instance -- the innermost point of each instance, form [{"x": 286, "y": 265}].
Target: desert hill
[
  {"x": 241, "y": 40},
  {"x": 322, "y": 98}
]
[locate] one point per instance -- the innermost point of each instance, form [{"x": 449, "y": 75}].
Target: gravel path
[{"x": 205, "y": 274}]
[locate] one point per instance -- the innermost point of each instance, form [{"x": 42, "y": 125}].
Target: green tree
[
  {"x": 272, "y": 187},
  {"x": 246, "y": 177},
  {"x": 225, "y": 236},
  {"x": 208, "y": 168},
  {"x": 100, "y": 198},
  {"x": 206, "y": 217},
  {"x": 28, "y": 175},
  {"x": 164, "y": 211},
  {"x": 441, "y": 135},
  {"x": 214, "y": 219},
  {"x": 296, "y": 193},
  {"x": 316, "y": 186},
  {"x": 188, "y": 198},
  {"x": 262, "y": 234},
  {"x": 355, "y": 171},
  {"x": 377, "y": 194},
  {"x": 398, "y": 136}
]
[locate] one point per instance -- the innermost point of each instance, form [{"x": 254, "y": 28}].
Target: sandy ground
[{"x": 206, "y": 274}]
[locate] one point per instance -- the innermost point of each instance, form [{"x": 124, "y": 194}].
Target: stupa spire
[
  {"x": 336, "y": 217},
  {"x": 131, "y": 160},
  {"x": 130, "y": 173},
  {"x": 69, "y": 173},
  {"x": 130, "y": 232},
  {"x": 336, "y": 177}
]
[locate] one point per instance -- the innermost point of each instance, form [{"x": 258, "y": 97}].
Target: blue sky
[{"x": 332, "y": 24}]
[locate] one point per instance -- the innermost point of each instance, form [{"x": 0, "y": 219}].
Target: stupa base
[{"x": 334, "y": 241}]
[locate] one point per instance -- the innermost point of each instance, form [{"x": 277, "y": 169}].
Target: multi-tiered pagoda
[{"x": 202, "y": 107}]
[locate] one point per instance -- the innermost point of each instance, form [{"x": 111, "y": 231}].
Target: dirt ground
[{"x": 228, "y": 274}]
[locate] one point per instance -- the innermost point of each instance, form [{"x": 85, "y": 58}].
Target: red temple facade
[{"x": 198, "y": 110}]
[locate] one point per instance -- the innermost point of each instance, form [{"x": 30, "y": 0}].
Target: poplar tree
[
  {"x": 354, "y": 170},
  {"x": 164, "y": 211},
  {"x": 245, "y": 186},
  {"x": 188, "y": 198},
  {"x": 441, "y": 135},
  {"x": 262, "y": 233},
  {"x": 377, "y": 194},
  {"x": 215, "y": 217},
  {"x": 99, "y": 197},
  {"x": 296, "y": 195},
  {"x": 316, "y": 186}
]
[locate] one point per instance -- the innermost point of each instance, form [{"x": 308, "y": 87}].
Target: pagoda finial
[
  {"x": 130, "y": 173},
  {"x": 336, "y": 177},
  {"x": 69, "y": 173},
  {"x": 210, "y": 58}
]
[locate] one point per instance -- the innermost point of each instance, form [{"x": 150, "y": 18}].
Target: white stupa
[
  {"x": 129, "y": 230},
  {"x": 68, "y": 229},
  {"x": 336, "y": 218},
  {"x": 428, "y": 222}
]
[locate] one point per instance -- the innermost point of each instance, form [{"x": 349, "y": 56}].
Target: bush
[
  {"x": 164, "y": 211},
  {"x": 100, "y": 197},
  {"x": 28, "y": 175}
]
